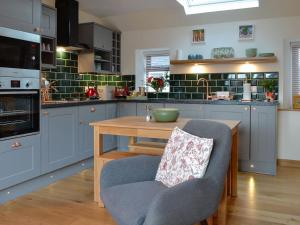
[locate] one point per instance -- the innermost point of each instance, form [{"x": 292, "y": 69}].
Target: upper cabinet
[
  {"x": 48, "y": 22},
  {"x": 21, "y": 15},
  {"x": 95, "y": 36}
]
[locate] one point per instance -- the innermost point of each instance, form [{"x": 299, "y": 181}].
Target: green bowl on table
[{"x": 165, "y": 114}]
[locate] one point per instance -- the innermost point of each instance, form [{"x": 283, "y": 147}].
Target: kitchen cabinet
[
  {"x": 110, "y": 141},
  {"x": 48, "y": 21},
  {"x": 263, "y": 152},
  {"x": 19, "y": 160},
  {"x": 95, "y": 36},
  {"x": 59, "y": 138},
  {"x": 193, "y": 111},
  {"x": 23, "y": 15},
  {"x": 86, "y": 115},
  {"x": 125, "y": 109},
  {"x": 234, "y": 112}
]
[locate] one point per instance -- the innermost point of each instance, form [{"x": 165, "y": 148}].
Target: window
[
  {"x": 295, "y": 68},
  {"x": 157, "y": 65},
  {"x": 204, "y": 6}
]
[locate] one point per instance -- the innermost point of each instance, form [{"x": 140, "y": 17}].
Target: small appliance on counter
[
  {"x": 91, "y": 93},
  {"x": 222, "y": 95},
  {"x": 121, "y": 92},
  {"x": 105, "y": 92}
]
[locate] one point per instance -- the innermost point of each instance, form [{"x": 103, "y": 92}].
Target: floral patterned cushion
[{"x": 186, "y": 157}]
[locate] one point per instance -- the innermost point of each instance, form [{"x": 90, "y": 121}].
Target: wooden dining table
[{"x": 137, "y": 127}]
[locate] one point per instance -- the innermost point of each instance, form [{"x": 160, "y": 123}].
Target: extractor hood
[{"x": 68, "y": 25}]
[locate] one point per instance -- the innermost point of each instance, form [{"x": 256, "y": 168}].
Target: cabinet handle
[
  {"x": 16, "y": 145},
  {"x": 37, "y": 29},
  {"x": 93, "y": 109},
  {"x": 246, "y": 108},
  {"x": 254, "y": 108},
  {"x": 45, "y": 113},
  {"x": 81, "y": 122}
]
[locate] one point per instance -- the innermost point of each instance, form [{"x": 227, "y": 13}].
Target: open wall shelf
[{"x": 272, "y": 59}]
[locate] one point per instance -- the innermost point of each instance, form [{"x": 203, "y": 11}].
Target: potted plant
[
  {"x": 158, "y": 83},
  {"x": 269, "y": 86}
]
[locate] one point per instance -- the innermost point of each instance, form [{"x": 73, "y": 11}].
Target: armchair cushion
[
  {"x": 129, "y": 203},
  {"x": 185, "y": 157}
]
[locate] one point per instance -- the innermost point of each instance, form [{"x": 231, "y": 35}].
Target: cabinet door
[
  {"x": 102, "y": 38},
  {"x": 88, "y": 114},
  {"x": 59, "y": 137},
  {"x": 263, "y": 139},
  {"x": 234, "y": 112},
  {"x": 23, "y": 15},
  {"x": 125, "y": 109},
  {"x": 48, "y": 22},
  {"x": 110, "y": 141},
  {"x": 19, "y": 160},
  {"x": 193, "y": 111}
]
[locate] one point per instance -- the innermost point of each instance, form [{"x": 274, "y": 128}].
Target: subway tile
[
  {"x": 257, "y": 76},
  {"x": 70, "y": 63},
  {"x": 216, "y": 76},
  {"x": 185, "y": 96},
  {"x": 162, "y": 95},
  {"x": 230, "y": 76},
  {"x": 236, "y": 83},
  {"x": 191, "y": 77},
  {"x": 243, "y": 76},
  {"x": 271, "y": 75},
  {"x": 221, "y": 83},
  {"x": 179, "y": 77},
  {"x": 197, "y": 96},
  {"x": 174, "y": 83},
  {"x": 215, "y": 89},
  {"x": 74, "y": 57},
  {"x": 239, "y": 90},
  {"x": 191, "y": 89},
  {"x": 212, "y": 83},
  {"x": 206, "y": 76},
  {"x": 185, "y": 83},
  {"x": 254, "y": 82},
  {"x": 179, "y": 89}
]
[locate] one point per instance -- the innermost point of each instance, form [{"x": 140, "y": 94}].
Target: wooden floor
[{"x": 263, "y": 200}]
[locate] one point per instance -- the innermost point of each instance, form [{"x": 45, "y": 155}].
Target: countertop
[{"x": 59, "y": 104}]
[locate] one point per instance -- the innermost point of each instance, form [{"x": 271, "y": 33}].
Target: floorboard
[{"x": 263, "y": 200}]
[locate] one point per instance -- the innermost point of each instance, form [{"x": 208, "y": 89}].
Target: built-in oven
[
  {"x": 19, "y": 53},
  {"x": 19, "y": 106}
]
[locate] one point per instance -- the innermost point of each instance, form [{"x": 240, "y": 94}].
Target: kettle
[{"x": 91, "y": 92}]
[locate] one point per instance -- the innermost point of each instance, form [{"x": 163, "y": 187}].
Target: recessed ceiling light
[{"x": 204, "y": 6}]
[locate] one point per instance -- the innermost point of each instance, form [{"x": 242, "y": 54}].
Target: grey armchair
[{"x": 133, "y": 197}]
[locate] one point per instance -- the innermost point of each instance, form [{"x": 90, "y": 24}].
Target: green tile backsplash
[{"x": 70, "y": 84}]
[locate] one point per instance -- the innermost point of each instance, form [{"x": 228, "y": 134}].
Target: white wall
[{"x": 288, "y": 135}]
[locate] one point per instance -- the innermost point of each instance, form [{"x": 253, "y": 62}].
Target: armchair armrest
[
  {"x": 129, "y": 170},
  {"x": 185, "y": 204}
]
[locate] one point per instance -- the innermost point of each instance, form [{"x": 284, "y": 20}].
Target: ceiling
[
  {"x": 153, "y": 14},
  {"x": 104, "y": 8}
]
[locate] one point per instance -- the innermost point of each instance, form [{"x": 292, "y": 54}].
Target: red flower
[
  {"x": 160, "y": 82},
  {"x": 149, "y": 80}
]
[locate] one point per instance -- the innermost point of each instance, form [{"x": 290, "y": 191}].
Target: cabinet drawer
[{"x": 19, "y": 160}]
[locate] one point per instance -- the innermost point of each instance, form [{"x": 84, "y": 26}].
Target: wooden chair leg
[{"x": 204, "y": 222}]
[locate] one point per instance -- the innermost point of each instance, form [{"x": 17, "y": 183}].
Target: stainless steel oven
[
  {"x": 19, "y": 53},
  {"x": 19, "y": 106}
]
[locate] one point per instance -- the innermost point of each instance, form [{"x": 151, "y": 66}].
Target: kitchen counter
[{"x": 58, "y": 104}]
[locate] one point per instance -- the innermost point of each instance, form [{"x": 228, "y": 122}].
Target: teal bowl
[{"x": 165, "y": 114}]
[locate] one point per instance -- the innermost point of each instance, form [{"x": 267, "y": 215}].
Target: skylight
[{"x": 204, "y": 6}]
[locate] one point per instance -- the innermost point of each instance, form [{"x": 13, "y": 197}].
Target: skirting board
[
  {"x": 43, "y": 181},
  {"x": 288, "y": 163}
]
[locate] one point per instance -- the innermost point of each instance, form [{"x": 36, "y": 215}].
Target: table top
[{"x": 139, "y": 122}]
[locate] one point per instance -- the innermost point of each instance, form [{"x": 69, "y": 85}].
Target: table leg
[
  {"x": 222, "y": 211},
  {"x": 98, "y": 164},
  {"x": 234, "y": 164}
]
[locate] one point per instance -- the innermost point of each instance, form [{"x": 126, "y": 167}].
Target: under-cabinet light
[{"x": 205, "y": 6}]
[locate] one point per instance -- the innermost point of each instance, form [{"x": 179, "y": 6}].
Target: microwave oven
[{"x": 19, "y": 52}]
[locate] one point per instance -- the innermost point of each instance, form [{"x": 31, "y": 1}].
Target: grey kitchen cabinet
[
  {"x": 59, "y": 138},
  {"x": 95, "y": 36},
  {"x": 23, "y": 15},
  {"x": 110, "y": 141},
  {"x": 193, "y": 111},
  {"x": 86, "y": 115},
  {"x": 48, "y": 21},
  {"x": 19, "y": 160},
  {"x": 263, "y": 152},
  {"x": 234, "y": 112},
  {"x": 125, "y": 109}
]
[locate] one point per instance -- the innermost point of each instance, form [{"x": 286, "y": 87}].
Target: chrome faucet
[{"x": 205, "y": 82}]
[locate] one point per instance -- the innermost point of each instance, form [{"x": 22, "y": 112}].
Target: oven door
[
  {"x": 19, "y": 112},
  {"x": 19, "y": 50}
]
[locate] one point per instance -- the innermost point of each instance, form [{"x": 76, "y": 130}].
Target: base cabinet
[
  {"x": 86, "y": 115},
  {"x": 59, "y": 138},
  {"x": 263, "y": 154},
  {"x": 125, "y": 109},
  {"x": 110, "y": 141},
  {"x": 192, "y": 111},
  {"x": 19, "y": 160}
]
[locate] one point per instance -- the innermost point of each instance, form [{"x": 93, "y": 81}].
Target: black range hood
[{"x": 68, "y": 25}]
